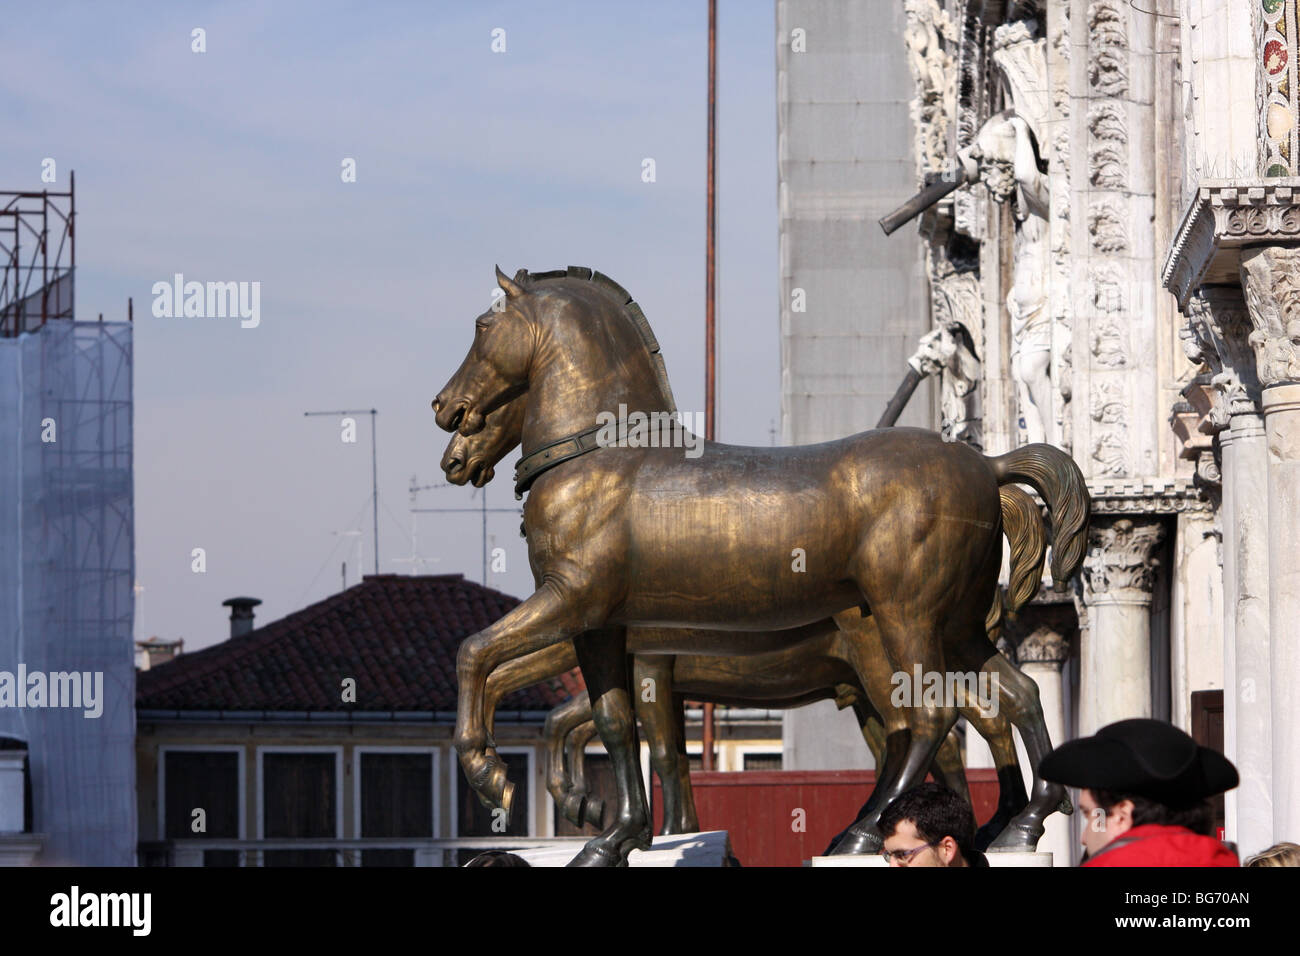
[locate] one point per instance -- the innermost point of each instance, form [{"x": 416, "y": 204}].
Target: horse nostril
[
  {"x": 437, "y": 405},
  {"x": 458, "y": 418}
]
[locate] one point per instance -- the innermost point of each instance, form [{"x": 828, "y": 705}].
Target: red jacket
[{"x": 1154, "y": 845}]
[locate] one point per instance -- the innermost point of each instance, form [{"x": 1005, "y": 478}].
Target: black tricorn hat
[{"x": 1144, "y": 757}]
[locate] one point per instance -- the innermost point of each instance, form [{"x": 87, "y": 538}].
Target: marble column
[
  {"x": 1248, "y": 737},
  {"x": 1218, "y": 332},
  {"x": 1115, "y": 679},
  {"x": 1271, "y": 278},
  {"x": 1042, "y": 655}
]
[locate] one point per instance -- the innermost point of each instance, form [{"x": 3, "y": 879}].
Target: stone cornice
[
  {"x": 1225, "y": 215},
  {"x": 1137, "y": 496}
]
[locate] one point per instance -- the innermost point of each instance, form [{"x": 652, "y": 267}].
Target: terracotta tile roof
[{"x": 397, "y": 635}]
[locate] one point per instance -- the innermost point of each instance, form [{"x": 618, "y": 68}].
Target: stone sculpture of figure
[
  {"x": 1005, "y": 159},
  {"x": 949, "y": 350}
]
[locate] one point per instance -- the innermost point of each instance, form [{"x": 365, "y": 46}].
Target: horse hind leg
[
  {"x": 1012, "y": 798},
  {"x": 655, "y": 709},
  {"x": 911, "y": 752},
  {"x": 1017, "y": 696},
  {"x": 948, "y": 768}
]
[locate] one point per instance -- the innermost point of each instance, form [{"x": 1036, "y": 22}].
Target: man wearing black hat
[{"x": 1146, "y": 795}]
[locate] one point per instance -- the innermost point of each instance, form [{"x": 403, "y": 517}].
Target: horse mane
[{"x": 621, "y": 298}]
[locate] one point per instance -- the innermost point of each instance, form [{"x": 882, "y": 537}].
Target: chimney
[{"x": 241, "y": 614}]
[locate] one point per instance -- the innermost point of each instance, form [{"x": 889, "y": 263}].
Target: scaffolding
[
  {"x": 38, "y": 251},
  {"x": 67, "y": 536}
]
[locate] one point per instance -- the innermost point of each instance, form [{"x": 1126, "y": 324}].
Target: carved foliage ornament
[
  {"x": 1108, "y": 47},
  {"x": 1107, "y": 229},
  {"x": 1120, "y": 563},
  {"x": 1271, "y": 277}
]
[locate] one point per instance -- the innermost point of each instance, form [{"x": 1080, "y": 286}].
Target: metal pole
[
  {"x": 483, "y": 506},
  {"x": 710, "y": 297},
  {"x": 374, "y": 482},
  {"x": 374, "y": 466}
]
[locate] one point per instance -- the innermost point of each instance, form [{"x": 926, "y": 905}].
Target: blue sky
[{"x": 225, "y": 166}]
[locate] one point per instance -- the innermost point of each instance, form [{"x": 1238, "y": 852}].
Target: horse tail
[
  {"x": 1028, "y": 538},
  {"x": 1055, "y": 476}
]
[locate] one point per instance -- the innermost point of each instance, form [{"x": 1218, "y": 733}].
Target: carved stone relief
[
  {"x": 1107, "y": 228},
  {"x": 1108, "y": 48}
]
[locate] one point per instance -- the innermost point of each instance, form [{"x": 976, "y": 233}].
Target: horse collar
[{"x": 548, "y": 456}]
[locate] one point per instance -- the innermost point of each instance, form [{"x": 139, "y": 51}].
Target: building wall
[{"x": 518, "y": 743}]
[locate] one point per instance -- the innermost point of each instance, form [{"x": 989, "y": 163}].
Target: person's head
[
  {"x": 1138, "y": 772},
  {"x": 1108, "y": 815},
  {"x": 928, "y": 825},
  {"x": 1279, "y": 854}
]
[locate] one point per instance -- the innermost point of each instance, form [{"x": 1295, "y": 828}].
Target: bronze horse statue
[
  {"x": 626, "y": 531},
  {"x": 816, "y": 669}
]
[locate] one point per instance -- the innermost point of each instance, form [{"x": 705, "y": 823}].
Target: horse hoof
[
  {"x": 594, "y": 811},
  {"x": 1066, "y": 806},
  {"x": 597, "y": 856},
  {"x": 859, "y": 842},
  {"x": 572, "y": 807},
  {"x": 1018, "y": 837}
]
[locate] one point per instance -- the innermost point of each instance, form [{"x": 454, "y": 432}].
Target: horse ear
[{"x": 511, "y": 289}]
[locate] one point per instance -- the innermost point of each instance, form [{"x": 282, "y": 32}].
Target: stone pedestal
[
  {"x": 1115, "y": 680},
  {"x": 1282, "y": 427},
  {"x": 995, "y": 860},
  {"x": 1247, "y": 732}
]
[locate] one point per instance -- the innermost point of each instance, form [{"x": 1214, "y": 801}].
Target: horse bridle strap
[{"x": 548, "y": 456}]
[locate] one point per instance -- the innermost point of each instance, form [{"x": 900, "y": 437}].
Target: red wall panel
[{"x": 758, "y": 808}]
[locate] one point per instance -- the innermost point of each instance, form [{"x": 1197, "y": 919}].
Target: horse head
[
  {"x": 574, "y": 340},
  {"x": 496, "y": 368},
  {"x": 473, "y": 459}
]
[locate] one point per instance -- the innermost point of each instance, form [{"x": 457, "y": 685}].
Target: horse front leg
[
  {"x": 605, "y": 669},
  {"x": 543, "y": 620},
  {"x": 516, "y": 675},
  {"x": 575, "y": 784},
  {"x": 560, "y": 722}
]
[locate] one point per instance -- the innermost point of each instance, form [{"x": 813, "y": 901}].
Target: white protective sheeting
[
  {"x": 845, "y": 159},
  {"x": 67, "y": 561}
]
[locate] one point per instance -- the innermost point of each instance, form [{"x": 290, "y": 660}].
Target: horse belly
[{"x": 737, "y": 561}]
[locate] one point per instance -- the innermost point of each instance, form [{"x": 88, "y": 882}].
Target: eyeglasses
[{"x": 905, "y": 856}]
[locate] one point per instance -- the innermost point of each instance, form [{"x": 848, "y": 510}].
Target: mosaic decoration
[{"x": 1278, "y": 84}]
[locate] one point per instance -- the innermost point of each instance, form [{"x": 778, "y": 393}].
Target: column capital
[
  {"x": 1218, "y": 333},
  {"x": 1044, "y": 646},
  {"x": 1271, "y": 277},
  {"x": 1119, "y": 567}
]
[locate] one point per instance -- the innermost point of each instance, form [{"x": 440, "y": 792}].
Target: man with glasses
[{"x": 930, "y": 825}]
